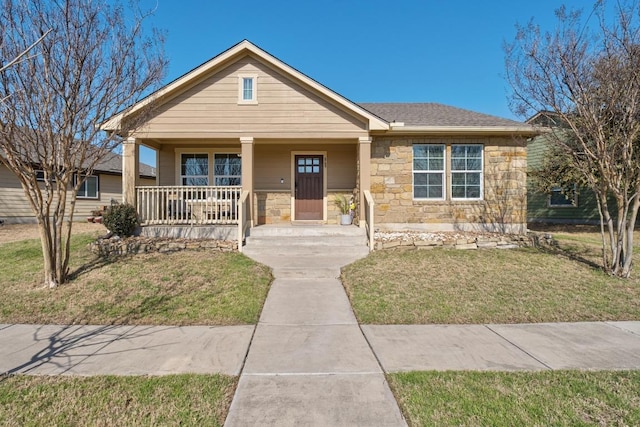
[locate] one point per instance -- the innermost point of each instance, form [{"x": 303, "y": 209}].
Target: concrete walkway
[{"x": 308, "y": 362}]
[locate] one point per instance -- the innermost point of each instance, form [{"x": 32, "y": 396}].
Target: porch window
[
  {"x": 466, "y": 171},
  {"x": 227, "y": 169},
  {"x": 89, "y": 188},
  {"x": 194, "y": 169},
  {"x": 428, "y": 171}
]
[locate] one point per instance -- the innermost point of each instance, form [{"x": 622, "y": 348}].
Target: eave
[{"x": 525, "y": 131}]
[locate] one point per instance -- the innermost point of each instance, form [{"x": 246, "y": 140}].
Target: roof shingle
[{"x": 433, "y": 114}]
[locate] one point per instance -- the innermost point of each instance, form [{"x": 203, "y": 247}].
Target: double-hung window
[
  {"x": 466, "y": 171},
  {"x": 227, "y": 169},
  {"x": 428, "y": 171},
  {"x": 89, "y": 188},
  {"x": 194, "y": 169}
]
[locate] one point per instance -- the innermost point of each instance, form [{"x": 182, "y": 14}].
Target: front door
[{"x": 308, "y": 187}]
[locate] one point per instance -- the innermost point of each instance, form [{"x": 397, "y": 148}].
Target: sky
[{"x": 444, "y": 51}]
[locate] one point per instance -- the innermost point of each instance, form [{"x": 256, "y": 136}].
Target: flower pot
[{"x": 345, "y": 219}]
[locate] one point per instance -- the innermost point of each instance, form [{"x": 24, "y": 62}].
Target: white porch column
[
  {"x": 364, "y": 170},
  {"x": 130, "y": 170},
  {"x": 246, "y": 142}
]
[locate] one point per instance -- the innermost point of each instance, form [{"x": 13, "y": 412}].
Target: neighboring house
[
  {"x": 97, "y": 191},
  {"x": 247, "y": 138},
  {"x": 555, "y": 207}
]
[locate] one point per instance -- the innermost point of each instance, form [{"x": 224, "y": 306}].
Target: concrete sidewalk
[{"x": 162, "y": 350}]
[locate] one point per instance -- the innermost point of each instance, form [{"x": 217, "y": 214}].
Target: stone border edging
[
  {"x": 140, "y": 245},
  {"x": 442, "y": 240}
]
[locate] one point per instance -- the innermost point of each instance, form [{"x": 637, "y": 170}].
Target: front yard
[
  {"x": 394, "y": 286},
  {"x": 179, "y": 288},
  {"x": 490, "y": 286}
]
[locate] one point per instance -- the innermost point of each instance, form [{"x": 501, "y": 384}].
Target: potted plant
[{"x": 344, "y": 205}]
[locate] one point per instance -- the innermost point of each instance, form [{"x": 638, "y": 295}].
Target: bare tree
[
  {"x": 96, "y": 61},
  {"x": 585, "y": 73}
]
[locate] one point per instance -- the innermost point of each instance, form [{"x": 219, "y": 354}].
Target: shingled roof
[
  {"x": 433, "y": 114},
  {"x": 112, "y": 163}
]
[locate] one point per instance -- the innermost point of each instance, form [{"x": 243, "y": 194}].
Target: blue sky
[{"x": 445, "y": 51}]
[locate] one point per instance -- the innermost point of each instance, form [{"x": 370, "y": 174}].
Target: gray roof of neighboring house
[
  {"x": 433, "y": 114},
  {"x": 112, "y": 163}
]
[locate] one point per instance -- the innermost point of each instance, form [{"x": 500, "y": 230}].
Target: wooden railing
[
  {"x": 188, "y": 205},
  {"x": 368, "y": 215}
]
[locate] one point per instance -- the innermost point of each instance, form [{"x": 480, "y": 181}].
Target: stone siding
[
  {"x": 503, "y": 208},
  {"x": 272, "y": 207}
]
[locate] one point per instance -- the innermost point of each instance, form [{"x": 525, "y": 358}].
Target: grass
[
  {"x": 180, "y": 288},
  {"x": 558, "y": 398},
  {"x": 108, "y": 400},
  {"x": 490, "y": 286}
]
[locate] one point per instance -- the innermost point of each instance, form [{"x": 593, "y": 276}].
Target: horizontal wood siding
[
  {"x": 15, "y": 207},
  {"x": 537, "y": 203},
  {"x": 284, "y": 107},
  {"x": 273, "y": 161}
]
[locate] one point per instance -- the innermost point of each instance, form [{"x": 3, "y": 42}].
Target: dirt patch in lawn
[{"x": 17, "y": 232}]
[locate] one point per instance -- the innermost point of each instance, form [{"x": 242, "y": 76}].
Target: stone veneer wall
[
  {"x": 272, "y": 207},
  {"x": 503, "y": 208}
]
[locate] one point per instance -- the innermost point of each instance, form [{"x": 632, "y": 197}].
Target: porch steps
[{"x": 301, "y": 248}]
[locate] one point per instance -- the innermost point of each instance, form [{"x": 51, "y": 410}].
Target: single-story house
[
  {"x": 246, "y": 138},
  {"x": 554, "y": 207},
  {"x": 99, "y": 189}
]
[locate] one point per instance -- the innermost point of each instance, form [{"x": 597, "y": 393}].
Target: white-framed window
[
  {"x": 227, "y": 169},
  {"x": 194, "y": 169},
  {"x": 89, "y": 189},
  {"x": 429, "y": 171},
  {"x": 247, "y": 89},
  {"x": 558, "y": 199},
  {"x": 466, "y": 171}
]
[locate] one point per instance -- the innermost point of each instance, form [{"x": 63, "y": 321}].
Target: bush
[{"x": 121, "y": 219}]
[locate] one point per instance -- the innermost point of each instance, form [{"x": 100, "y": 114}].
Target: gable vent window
[{"x": 247, "y": 89}]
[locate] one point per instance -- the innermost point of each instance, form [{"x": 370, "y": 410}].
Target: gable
[{"x": 285, "y": 108}]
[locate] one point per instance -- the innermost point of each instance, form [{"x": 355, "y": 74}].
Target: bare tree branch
[{"x": 96, "y": 60}]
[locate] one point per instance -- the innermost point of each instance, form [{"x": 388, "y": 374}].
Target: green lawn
[
  {"x": 559, "y": 398},
  {"x": 180, "y": 288},
  {"x": 485, "y": 286},
  {"x": 201, "y": 400}
]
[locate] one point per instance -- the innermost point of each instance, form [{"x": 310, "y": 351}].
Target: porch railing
[
  {"x": 368, "y": 215},
  {"x": 188, "y": 205}
]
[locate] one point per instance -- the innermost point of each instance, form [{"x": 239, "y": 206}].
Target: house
[
  {"x": 554, "y": 207},
  {"x": 245, "y": 139},
  {"x": 98, "y": 190}
]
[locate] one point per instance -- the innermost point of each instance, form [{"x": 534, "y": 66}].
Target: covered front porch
[{"x": 255, "y": 182}]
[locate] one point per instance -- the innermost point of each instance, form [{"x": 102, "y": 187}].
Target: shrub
[{"x": 121, "y": 219}]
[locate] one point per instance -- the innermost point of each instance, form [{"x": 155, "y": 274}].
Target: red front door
[{"x": 308, "y": 187}]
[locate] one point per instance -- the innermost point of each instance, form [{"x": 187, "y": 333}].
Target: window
[
  {"x": 559, "y": 200},
  {"x": 227, "y": 169},
  {"x": 466, "y": 171},
  {"x": 247, "y": 89},
  {"x": 194, "y": 169},
  {"x": 89, "y": 188},
  {"x": 428, "y": 171}
]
